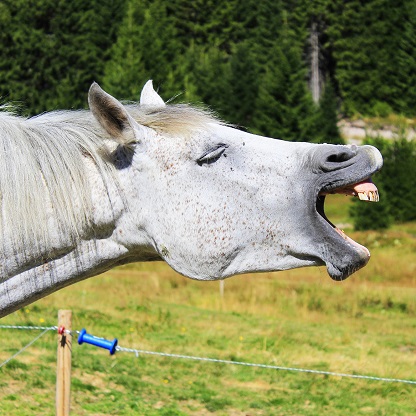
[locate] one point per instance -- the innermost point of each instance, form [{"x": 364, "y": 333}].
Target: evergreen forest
[{"x": 287, "y": 69}]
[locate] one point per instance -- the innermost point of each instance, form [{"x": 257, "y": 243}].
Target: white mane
[
  {"x": 175, "y": 120},
  {"x": 42, "y": 163}
]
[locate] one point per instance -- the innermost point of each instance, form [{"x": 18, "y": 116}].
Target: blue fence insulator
[{"x": 97, "y": 341}]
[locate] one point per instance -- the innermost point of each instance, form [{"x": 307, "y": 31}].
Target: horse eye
[{"x": 212, "y": 155}]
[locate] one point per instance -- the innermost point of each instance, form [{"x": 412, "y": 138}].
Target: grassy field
[{"x": 300, "y": 318}]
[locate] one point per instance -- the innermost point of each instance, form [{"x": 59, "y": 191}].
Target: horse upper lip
[
  {"x": 345, "y": 177},
  {"x": 365, "y": 190}
]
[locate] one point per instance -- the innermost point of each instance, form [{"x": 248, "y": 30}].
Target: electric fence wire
[
  {"x": 268, "y": 366},
  {"x": 45, "y": 329},
  {"x": 138, "y": 352},
  {"x": 26, "y": 346}
]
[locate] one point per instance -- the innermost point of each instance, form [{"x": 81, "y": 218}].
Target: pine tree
[
  {"x": 210, "y": 75},
  {"x": 260, "y": 24},
  {"x": 125, "y": 73},
  {"x": 405, "y": 97},
  {"x": 364, "y": 37},
  {"x": 242, "y": 86},
  {"x": 203, "y": 23},
  {"x": 310, "y": 21},
  {"x": 396, "y": 183},
  {"x": 26, "y": 52},
  {"x": 53, "y": 50},
  {"x": 326, "y": 127},
  {"x": 284, "y": 107},
  {"x": 145, "y": 49},
  {"x": 399, "y": 178},
  {"x": 84, "y": 33}
]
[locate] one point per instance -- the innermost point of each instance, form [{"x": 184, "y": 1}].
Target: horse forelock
[{"x": 175, "y": 119}]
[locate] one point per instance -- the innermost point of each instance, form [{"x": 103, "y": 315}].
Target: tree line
[
  {"x": 396, "y": 183},
  {"x": 263, "y": 64},
  {"x": 281, "y": 68}
]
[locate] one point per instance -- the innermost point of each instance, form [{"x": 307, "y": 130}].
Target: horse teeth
[
  {"x": 363, "y": 196},
  {"x": 371, "y": 196},
  {"x": 374, "y": 197}
]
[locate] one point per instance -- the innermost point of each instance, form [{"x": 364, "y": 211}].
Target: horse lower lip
[{"x": 352, "y": 242}]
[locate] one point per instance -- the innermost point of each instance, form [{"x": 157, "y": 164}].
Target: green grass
[{"x": 300, "y": 318}]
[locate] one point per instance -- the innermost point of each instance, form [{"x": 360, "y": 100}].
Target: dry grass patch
[{"x": 298, "y": 318}]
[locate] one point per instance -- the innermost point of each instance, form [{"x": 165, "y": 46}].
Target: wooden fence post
[
  {"x": 63, "y": 368},
  {"x": 222, "y": 283}
]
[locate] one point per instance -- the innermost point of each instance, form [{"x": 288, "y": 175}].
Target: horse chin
[
  {"x": 345, "y": 257},
  {"x": 339, "y": 275}
]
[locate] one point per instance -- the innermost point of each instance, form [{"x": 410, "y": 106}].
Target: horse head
[{"x": 214, "y": 201}]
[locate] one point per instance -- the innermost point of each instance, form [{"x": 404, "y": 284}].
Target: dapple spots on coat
[{"x": 163, "y": 189}]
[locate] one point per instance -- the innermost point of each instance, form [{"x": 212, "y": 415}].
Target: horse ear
[
  {"x": 150, "y": 97},
  {"x": 111, "y": 115}
]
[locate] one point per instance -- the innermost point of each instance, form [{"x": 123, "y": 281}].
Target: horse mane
[
  {"x": 174, "y": 119},
  {"x": 43, "y": 174}
]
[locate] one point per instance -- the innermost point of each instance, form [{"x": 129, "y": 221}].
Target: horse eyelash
[{"x": 212, "y": 155}]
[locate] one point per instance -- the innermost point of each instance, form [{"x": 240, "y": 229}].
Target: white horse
[{"x": 84, "y": 191}]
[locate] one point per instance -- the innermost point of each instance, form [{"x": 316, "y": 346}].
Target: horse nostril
[
  {"x": 340, "y": 157},
  {"x": 332, "y": 158},
  {"x": 336, "y": 159}
]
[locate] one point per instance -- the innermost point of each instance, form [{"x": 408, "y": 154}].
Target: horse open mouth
[{"x": 365, "y": 191}]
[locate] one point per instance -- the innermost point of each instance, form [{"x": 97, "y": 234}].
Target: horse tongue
[{"x": 366, "y": 191}]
